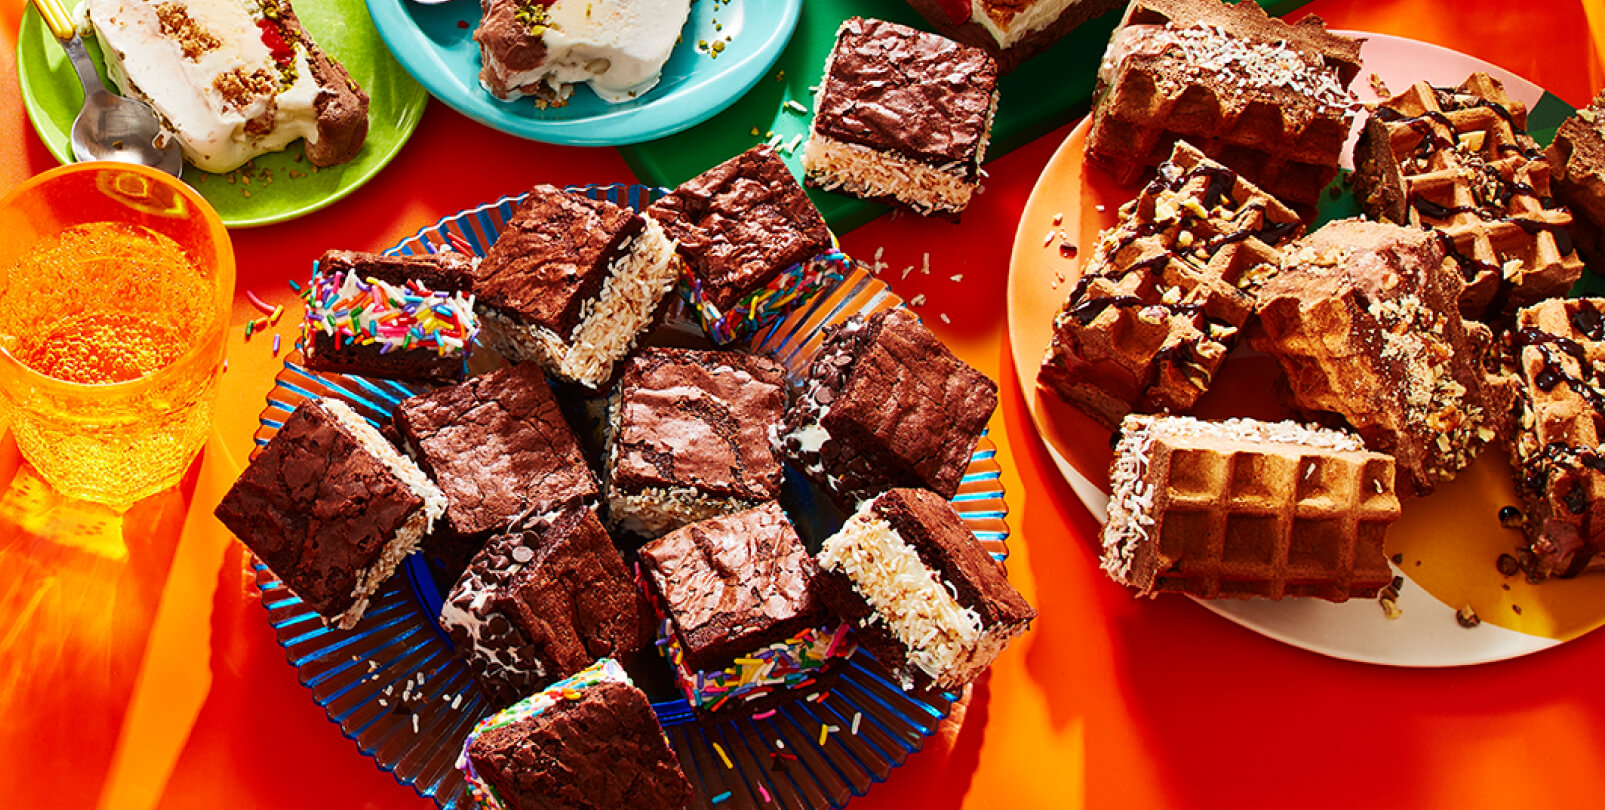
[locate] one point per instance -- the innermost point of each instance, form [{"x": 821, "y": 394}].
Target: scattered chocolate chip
[
  {"x": 1511, "y": 518},
  {"x": 1508, "y": 565},
  {"x": 1398, "y": 559},
  {"x": 1467, "y": 617},
  {"x": 1516, "y": 608},
  {"x": 1068, "y": 250}
]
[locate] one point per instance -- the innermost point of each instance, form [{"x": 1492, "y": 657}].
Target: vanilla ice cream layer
[
  {"x": 1009, "y": 26},
  {"x": 180, "y": 72},
  {"x": 619, "y": 47}
]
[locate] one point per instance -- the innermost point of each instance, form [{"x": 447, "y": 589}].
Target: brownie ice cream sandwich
[
  {"x": 331, "y": 508},
  {"x": 690, "y": 436},
  {"x": 398, "y": 317},
  {"x": 902, "y": 117},
  {"x": 886, "y": 404},
  {"x": 571, "y": 282},
  {"x": 589, "y": 742},
  {"x": 538, "y": 604},
  {"x": 920, "y": 591}
]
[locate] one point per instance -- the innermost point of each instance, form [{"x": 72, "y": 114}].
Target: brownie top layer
[
  {"x": 553, "y": 256},
  {"x": 911, "y": 402},
  {"x": 317, "y": 508},
  {"x": 742, "y": 222},
  {"x": 699, "y": 419},
  {"x": 578, "y": 591},
  {"x": 892, "y": 88},
  {"x": 734, "y": 583},
  {"x": 446, "y": 271},
  {"x": 498, "y": 446},
  {"x": 603, "y": 749},
  {"x": 928, "y": 523}
]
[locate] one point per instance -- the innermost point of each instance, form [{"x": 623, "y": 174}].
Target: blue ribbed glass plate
[{"x": 394, "y": 688}]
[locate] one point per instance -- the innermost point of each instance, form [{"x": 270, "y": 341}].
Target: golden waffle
[
  {"x": 1556, "y": 450},
  {"x": 1268, "y": 98},
  {"x": 1460, "y": 162},
  {"x": 1363, "y": 319},
  {"x": 1166, "y": 291},
  {"x": 1247, "y": 509}
]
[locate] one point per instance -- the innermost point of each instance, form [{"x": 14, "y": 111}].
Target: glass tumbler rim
[{"x": 222, "y": 262}]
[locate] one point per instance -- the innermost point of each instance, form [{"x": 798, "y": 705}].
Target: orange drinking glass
[{"x": 115, "y": 287}]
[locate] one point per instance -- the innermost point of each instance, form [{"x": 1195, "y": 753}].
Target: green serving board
[{"x": 1052, "y": 89}]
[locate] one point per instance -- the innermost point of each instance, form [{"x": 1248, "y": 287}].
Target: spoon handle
[{"x": 56, "y": 18}]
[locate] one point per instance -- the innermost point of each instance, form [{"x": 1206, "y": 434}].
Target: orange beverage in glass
[{"x": 115, "y": 287}]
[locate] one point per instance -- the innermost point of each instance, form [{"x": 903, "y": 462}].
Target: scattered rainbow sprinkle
[
  {"x": 394, "y": 317},
  {"x": 782, "y": 665},
  {"x": 766, "y": 304}
]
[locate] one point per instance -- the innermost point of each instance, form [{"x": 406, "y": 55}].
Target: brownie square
[
  {"x": 921, "y": 592},
  {"x": 902, "y": 117},
  {"x": 886, "y": 404},
  {"x": 736, "y": 227},
  {"x": 587, "y": 743},
  {"x": 733, "y": 584},
  {"x": 400, "y": 317},
  {"x": 571, "y": 282},
  {"x": 331, "y": 508},
  {"x": 542, "y": 603},
  {"x": 689, "y": 437},
  {"x": 498, "y": 446}
]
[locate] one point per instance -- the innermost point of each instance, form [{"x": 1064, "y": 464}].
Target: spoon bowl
[{"x": 110, "y": 127}]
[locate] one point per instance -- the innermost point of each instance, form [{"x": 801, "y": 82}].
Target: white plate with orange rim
[{"x": 1445, "y": 547}]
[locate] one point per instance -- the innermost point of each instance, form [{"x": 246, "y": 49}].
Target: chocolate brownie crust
[
  {"x": 929, "y": 524},
  {"x": 701, "y": 420},
  {"x": 742, "y": 222},
  {"x": 317, "y": 508},
  {"x": 909, "y": 413},
  {"x": 600, "y": 752},
  {"x": 553, "y": 256},
  {"x": 498, "y": 446},
  {"x": 894, "y": 89},
  {"x": 734, "y": 584}
]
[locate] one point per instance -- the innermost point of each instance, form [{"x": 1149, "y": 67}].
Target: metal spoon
[{"x": 110, "y": 127}]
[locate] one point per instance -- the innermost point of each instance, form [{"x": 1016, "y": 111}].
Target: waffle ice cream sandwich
[
  {"x": 1268, "y": 98},
  {"x": 1244, "y": 508},
  {"x": 1459, "y": 161},
  {"x": 1167, "y": 291},
  {"x": 1556, "y": 449}
]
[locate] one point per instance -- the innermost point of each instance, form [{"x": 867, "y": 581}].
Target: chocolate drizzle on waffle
[
  {"x": 1166, "y": 292},
  {"x": 1559, "y": 349},
  {"x": 1459, "y": 161}
]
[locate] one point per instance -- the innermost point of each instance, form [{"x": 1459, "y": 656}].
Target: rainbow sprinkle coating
[
  {"x": 782, "y": 665},
  {"x": 605, "y": 670},
  {"x": 394, "y": 317},
  {"x": 767, "y": 303}
]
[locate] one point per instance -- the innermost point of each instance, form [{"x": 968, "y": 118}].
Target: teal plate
[
  {"x": 435, "y": 43},
  {"x": 274, "y": 187}
]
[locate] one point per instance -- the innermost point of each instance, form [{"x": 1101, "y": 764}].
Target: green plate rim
[{"x": 411, "y": 107}]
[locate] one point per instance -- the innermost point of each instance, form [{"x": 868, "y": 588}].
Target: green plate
[
  {"x": 274, "y": 187},
  {"x": 1050, "y": 90}
]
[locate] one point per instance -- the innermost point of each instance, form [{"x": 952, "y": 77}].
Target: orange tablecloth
[{"x": 143, "y": 674}]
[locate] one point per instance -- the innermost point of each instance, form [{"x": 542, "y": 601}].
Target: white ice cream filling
[
  {"x": 418, "y": 525},
  {"x": 619, "y": 47},
  {"x": 145, "y": 63},
  {"x": 917, "y": 607}
]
